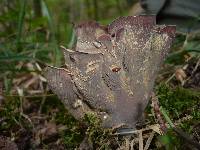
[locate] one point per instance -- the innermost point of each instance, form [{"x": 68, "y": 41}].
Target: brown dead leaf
[{"x": 180, "y": 75}]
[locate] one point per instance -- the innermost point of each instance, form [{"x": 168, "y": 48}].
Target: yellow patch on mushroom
[{"x": 91, "y": 66}]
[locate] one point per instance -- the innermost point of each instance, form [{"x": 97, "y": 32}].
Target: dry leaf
[{"x": 180, "y": 75}]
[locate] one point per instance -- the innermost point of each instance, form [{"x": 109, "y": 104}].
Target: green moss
[
  {"x": 11, "y": 113},
  {"x": 178, "y": 101},
  {"x": 97, "y": 135}
]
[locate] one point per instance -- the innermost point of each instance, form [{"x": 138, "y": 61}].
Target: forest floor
[{"x": 32, "y": 117}]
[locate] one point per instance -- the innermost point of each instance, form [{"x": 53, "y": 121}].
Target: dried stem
[{"x": 156, "y": 108}]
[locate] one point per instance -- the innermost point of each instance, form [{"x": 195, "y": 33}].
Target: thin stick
[
  {"x": 149, "y": 140},
  {"x": 140, "y": 141},
  {"x": 156, "y": 107}
]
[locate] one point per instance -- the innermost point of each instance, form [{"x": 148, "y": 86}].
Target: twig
[
  {"x": 149, "y": 140},
  {"x": 196, "y": 66},
  {"x": 156, "y": 107},
  {"x": 132, "y": 144},
  {"x": 169, "y": 79},
  {"x": 43, "y": 99},
  {"x": 140, "y": 141},
  {"x": 193, "y": 71},
  {"x": 127, "y": 143},
  {"x": 29, "y": 96},
  {"x": 27, "y": 118}
]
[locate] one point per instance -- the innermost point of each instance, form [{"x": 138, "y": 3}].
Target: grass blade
[
  {"x": 20, "y": 22},
  {"x": 57, "y": 53}
]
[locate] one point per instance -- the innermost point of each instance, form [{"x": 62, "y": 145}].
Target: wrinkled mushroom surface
[{"x": 112, "y": 69}]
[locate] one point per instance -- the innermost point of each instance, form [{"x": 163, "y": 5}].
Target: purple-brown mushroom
[{"x": 111, "y": 70}]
